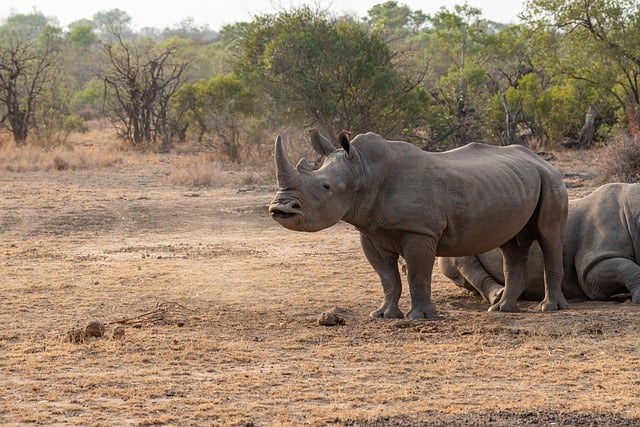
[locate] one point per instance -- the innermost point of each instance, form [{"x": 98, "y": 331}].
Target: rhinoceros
[
  {"x": 601, "y": 252},
  {"x": 416, "y": 204}
]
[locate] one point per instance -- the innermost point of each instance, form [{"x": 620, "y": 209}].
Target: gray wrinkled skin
[
  {"x": 601, "y": 252},
  {"x": 415, "y": 204}
]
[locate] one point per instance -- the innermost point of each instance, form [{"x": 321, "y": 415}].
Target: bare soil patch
[{"x": 211, "y": 312}]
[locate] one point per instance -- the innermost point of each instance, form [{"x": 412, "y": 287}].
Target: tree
[
  {"x": 216, "y": 110},
  {"x": 458, "y": 77},
  {"x": 112, "y": 24},
  {"x": 315, "y": 69},
  {"x": 80, "y": 58},
  {"x": 393, "y": 19},
  {"x": 586, "y": 133},
  {"x": 28, "y": 54},
  {"x": 82, "y": 35},
  {"x": 601, "y": 46},
  {"x": 509, "y": 58},
  {"x": 141, "y": 78}
]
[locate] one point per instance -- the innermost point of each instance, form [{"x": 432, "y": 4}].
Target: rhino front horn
[{"x": 286, "y": 173}]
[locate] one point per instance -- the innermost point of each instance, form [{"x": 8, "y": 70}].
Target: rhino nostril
[{"x": 296, "y": 206}]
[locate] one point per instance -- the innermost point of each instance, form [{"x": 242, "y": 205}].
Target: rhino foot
[
  {"x": 505, "y": 307},
  {"x": 546, "y": 305},
  {"x": 387, "y": 313},
  {"x": 423, "y": 312}
]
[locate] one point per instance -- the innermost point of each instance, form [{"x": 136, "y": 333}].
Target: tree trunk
[
  {"x": 510, "y": 122},
  {"x": 587, "y": 131}
]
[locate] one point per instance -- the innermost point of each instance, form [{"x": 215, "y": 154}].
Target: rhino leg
[
  {"x": 612, "y": 276},
  {"x": 550, "y": 227},
  {"x": 477, "y": 276},
  {"x": 386, "y": 265},
  {"x": 420, "y": 254},
  {"x": 515, "y": 262},
  {"x": 553, "y": 270}
]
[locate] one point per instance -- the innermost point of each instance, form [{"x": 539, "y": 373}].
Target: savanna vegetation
[
  {"x": 133, "y": 166},
  {"x": 567, "y": 73}
]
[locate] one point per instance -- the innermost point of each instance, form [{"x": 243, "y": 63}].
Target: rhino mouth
[
  {"x": 285, "y": 210},
  {"x": 278, "y": 213}
]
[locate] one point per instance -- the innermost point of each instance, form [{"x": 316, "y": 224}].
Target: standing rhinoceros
[
  {"x": 601, "y": 252},
  {"x": 415, "y": 204}
]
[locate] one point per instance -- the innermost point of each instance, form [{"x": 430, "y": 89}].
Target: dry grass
[
  {"x": 110, "y": 244},
  {"x": 199, "y": 170},
  {"x": 60, "y": 158},
  {"x": 99, "y": 150}
]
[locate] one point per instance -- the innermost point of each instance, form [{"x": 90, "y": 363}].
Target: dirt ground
[{"x": 211, "y": 316}]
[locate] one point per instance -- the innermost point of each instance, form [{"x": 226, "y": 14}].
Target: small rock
[
  {"x": 118, "y": 333},
  {"x": 76, "y": 335},
  {"x": 330, "y": 318},
  {"x": 94, "y": 329}
]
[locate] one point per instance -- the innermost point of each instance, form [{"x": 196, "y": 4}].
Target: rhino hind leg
[
  {"x": 550, "y": 226},
  {"x": 613, "y": 276},
  {"x": 553, "y": 270},
  {"x": 515, "y": 261}
]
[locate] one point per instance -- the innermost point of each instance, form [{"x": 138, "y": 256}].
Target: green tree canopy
[
  {"x": 215, "y": 110},
  {"x": 601, "y": 39},
  {"x": 315, "y": 69}
]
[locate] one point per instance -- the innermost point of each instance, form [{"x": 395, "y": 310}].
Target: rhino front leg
[
  {"x": 420, "y": 254},
  {"x": 386, "y": 265}
]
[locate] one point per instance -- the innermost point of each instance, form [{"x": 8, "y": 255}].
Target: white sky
[{"x": 217, "y": 13}]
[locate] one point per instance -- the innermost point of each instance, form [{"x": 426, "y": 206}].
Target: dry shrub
[
  {"x": 199, "y": 170},
  {"x": 621, "y": 160}
]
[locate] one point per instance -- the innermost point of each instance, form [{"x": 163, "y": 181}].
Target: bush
[{"x": 621, "y": 162}]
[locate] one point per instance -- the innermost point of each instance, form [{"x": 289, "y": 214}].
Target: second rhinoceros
[
  {"x": 411, "y": 203},
  {"x": 601, "y": 252}
]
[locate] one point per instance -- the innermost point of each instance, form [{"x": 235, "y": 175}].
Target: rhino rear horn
[
  {"x": 286, "y": 173},
  {"x": 320, "y": 143}
]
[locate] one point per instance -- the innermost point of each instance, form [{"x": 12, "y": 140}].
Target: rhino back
[{"x": 471, "y": 199}]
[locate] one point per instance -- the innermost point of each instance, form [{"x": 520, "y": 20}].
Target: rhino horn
[
  {"x": 320, "y": 143},
  {"x": 286, "y": 173}
]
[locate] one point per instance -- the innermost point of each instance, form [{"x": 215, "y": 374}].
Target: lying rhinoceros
[
  {"x": 415, "y": 204},
  {"x": 601, "y": 252}
]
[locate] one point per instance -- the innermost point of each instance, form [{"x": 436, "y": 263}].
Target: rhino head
[{"x": 311, "y": 200}]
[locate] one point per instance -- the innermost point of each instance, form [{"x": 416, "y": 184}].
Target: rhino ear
[
  {"x": 320, "y": 144},
  {"x": 344, "y": 141},
  {"x": 303, "y": 166}
]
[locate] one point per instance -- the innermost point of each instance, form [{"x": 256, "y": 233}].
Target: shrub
[{"x": 621, "y": 162}]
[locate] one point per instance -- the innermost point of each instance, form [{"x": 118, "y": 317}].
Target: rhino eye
[{"x": 326, "y": 186}]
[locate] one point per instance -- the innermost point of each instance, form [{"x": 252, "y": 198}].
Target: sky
[{"x": 217, "y": 13}]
